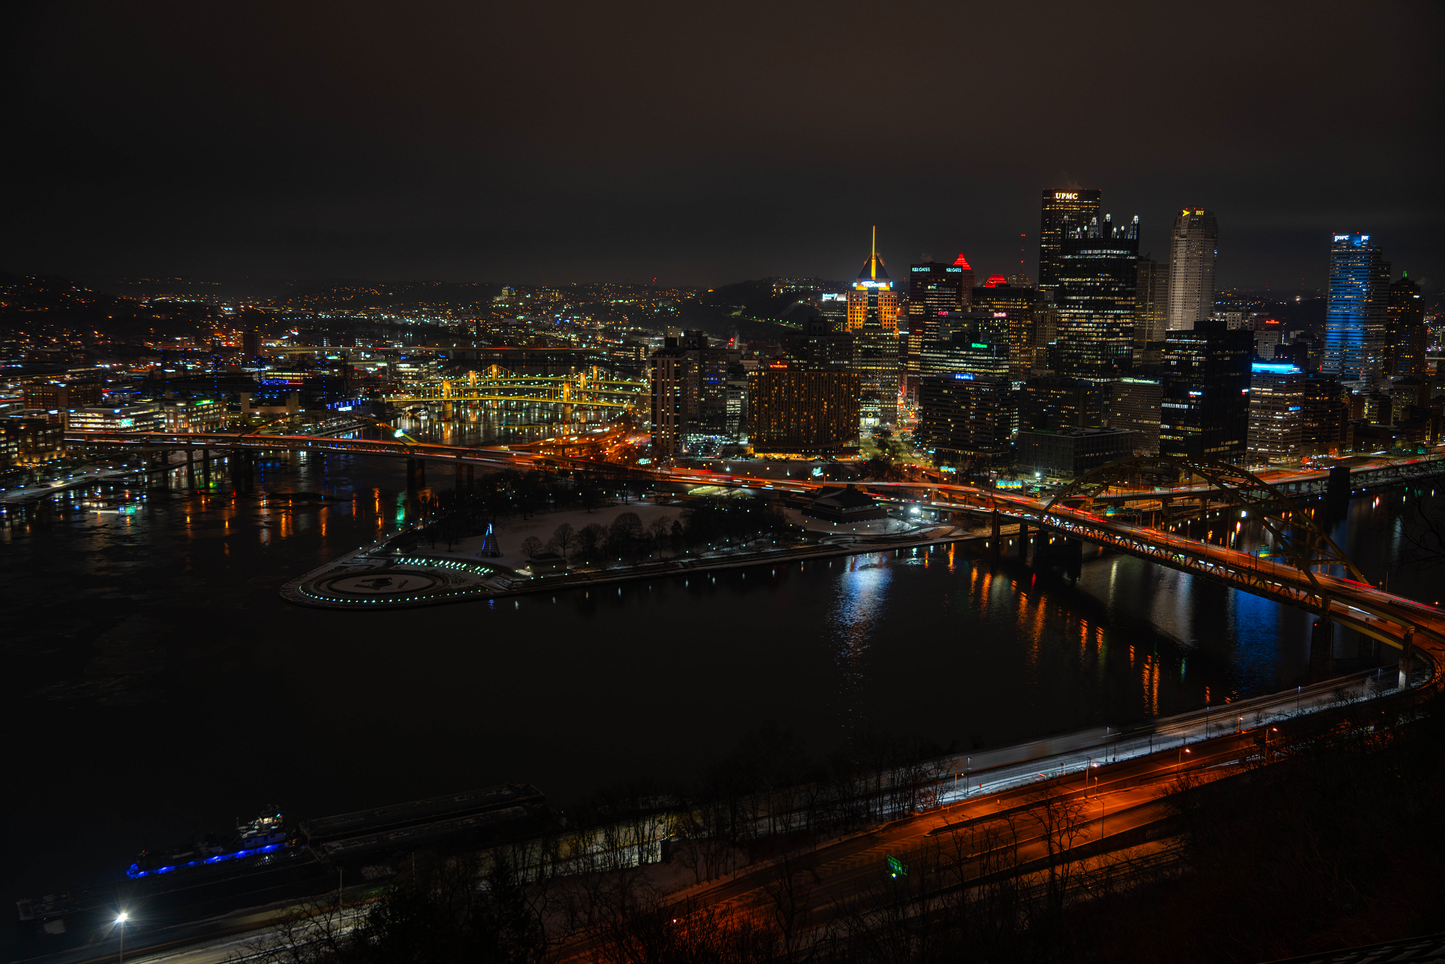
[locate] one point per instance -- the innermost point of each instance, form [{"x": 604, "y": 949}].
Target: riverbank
[{"x": 384, "y": 575}]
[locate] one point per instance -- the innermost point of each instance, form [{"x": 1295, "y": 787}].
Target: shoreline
[{"x": 359, "y": 581}]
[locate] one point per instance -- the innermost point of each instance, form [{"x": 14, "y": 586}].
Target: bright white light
[{"x": 122, "y": 918}]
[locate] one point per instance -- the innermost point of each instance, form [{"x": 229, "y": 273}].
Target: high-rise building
[
  {"x": 1276, "y": 413},
  {"x": 1355, "y": 312},
  {"x": 1052, "y": 402},
  {"x": 834, "y": 309},
  {"x": 697, "y": 390},
  {"x": 802, "y": 412},
  {"x": 1193, "y": 245},
  {"x": 1204, "y": 409},
  {"x": 1151, "y": 302},
  {"x": 1405, "y": 331},
  {"x": 873, "y": 322},
  {"x": 1012, "y": 309},
  {"x": 1063, "y": 212},
  {"x": 1097, "y": 272},
  {"x": 933, "y": 288},
  {"x": 966, "y": 420},
  {"x": 1135, "y": 406},
  {"x": 1326, "y": 414},
  {"x": 670, "y": 371}
]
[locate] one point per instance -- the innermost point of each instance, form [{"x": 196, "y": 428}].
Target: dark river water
[{"x": 156, "y": 686}]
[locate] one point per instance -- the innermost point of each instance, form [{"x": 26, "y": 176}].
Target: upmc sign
[{"x": 1066, "y": 195}]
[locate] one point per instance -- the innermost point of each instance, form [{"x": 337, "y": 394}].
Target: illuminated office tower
[
  {"x": 1011, "y": 308},
  {"x": 934, "y": 288},
  {"x": 873, "y": 322},
  {"x": 803, "y": 412},
  {"x": 1405, "y": 331},
  {"x": 1193, "y": 245},
  {"x": 1151, "y": 302},
  {"x": 1063, "y": 212},
  {"x": 1355, "y": 313},
  {"x": 1097, "y": 272},
  {"x": 1276, "y": 413}
]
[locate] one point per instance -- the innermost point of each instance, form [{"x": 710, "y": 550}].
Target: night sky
[{"x": 705, "y": 143}]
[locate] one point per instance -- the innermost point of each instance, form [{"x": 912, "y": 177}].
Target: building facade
[
  {"x": 1405, "y": 331},
  {"x": 1063, "y": 213},
  {"x": 1097, "y": 272},
  {"x": 1356, "y": 310},
  {"x": 1013, "y": 309},
  {"x": 873, "y": 311},
  {"x": 1193, "y": 246},
  {"x": 1204, "y": 406},
  {"x": 803, "y": 412},
  {"x": 1276, "y": 414},
  {"x": 1151, "y": 302},
  {"x": 966, "y": 421},
  {"x": 1135, "y": 406},
  {"x": 1069, "y": 453}
]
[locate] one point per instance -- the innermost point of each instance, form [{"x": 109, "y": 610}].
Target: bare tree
[
  {"x": 563, "y": 537},
  {"x": 531, "y": 546}
]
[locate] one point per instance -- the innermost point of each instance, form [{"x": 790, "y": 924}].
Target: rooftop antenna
[{"x": 873, "y": 258}]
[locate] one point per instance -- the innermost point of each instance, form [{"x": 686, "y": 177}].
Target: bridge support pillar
[
  {"x": 190, "y": 468},
  {"x": 1407, "y": 657},
  {"x": 206, "y": 467},
  {"x": 243, "y": 469},
  {"x": 415, "y": 477},
  {"x": 996, "y": 540},
  {"x": 1024, "y": 541},
  {"x": 1337, "y": 496},
  {"x": 1322, "y": 648}
]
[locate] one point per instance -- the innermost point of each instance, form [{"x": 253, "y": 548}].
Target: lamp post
[
  {"x": 1179, "y": 766},
  {"x": 120, "y": 919}
]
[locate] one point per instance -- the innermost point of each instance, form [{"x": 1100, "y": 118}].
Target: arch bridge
[{"x": 590, "y": 387}]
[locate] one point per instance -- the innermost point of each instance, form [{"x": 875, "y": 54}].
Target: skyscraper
[
  {"x": 1193, "y": 245},
  {"x": 1097, "y": 272},
  {"x": 1276, "y": 413},
  {"x": 873, "y": 322},
  {"x": 1405, "y": 331},
  {"x": 1355, "y": 312},
  {"x": 803, "y": 412},
  {"x": 1063, "y": 212},
  {"x": 1204, "y": 412},
  {"x": 1151, "y": 302},
  {"x": 932, "y": 288},
  {"x": 1013, "y": 309}
]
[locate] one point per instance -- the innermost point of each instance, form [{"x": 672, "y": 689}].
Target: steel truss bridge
[
  {"x": 1288, "y": 571},
  {"x": 587, "y": 388}
]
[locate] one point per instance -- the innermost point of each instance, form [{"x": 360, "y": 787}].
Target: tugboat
[{"x": 263, "y": 835}]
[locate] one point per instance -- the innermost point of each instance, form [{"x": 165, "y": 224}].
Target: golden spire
[{"x": 873, "y": 258}]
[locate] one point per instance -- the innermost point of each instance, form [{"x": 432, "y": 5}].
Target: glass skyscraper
[
  {"x": 1355, "y": 316},
  {"x": 1097, "y": 274},
  {"x": 1063, "y": 212}
]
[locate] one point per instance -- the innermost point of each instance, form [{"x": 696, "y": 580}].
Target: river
[{"x": 156, "y": 685}]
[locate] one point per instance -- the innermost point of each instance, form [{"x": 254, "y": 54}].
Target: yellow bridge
[{"x": 587, "y": 388}]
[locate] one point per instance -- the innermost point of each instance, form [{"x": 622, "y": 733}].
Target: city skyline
[{"x": 693, "y": 149}]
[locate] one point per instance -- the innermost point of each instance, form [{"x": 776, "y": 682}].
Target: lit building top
[{"x": 873, "y": 274}]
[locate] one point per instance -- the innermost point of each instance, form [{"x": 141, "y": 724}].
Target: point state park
[{"x": 575, "y": 548}]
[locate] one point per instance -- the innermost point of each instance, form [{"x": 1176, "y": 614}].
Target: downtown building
[
  {"x": 966, "y": 421},
  {"x": 1094, "y": 300},
  {"x": 1193, "y": 247},
  {"x": 697, "y": 392},
  {"x": 1204, "y": 404},
  {"x": 1356, "y": 312},
  {"x": 1063, "y": 213},
  {"x": 934, "y": 288},
  {"x": 873, "y": 314},
  {"x": 1151, "y": 303},
  {"x": 1405, "y": 332},
  {"x": 1276, "y": 414},
  {"x": 1015, "y": 310},
  {"x": 801, "y": 412}
]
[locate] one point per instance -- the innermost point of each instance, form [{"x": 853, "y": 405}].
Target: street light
[
  {"x": 1180, "y": 764},
  {"x": 120, "y": 919}
]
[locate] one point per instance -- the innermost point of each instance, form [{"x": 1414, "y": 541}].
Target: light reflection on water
[{"x": 120, "y": 621}]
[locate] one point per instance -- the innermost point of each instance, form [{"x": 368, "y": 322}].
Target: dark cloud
[{"x": 701, "y": 143}]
